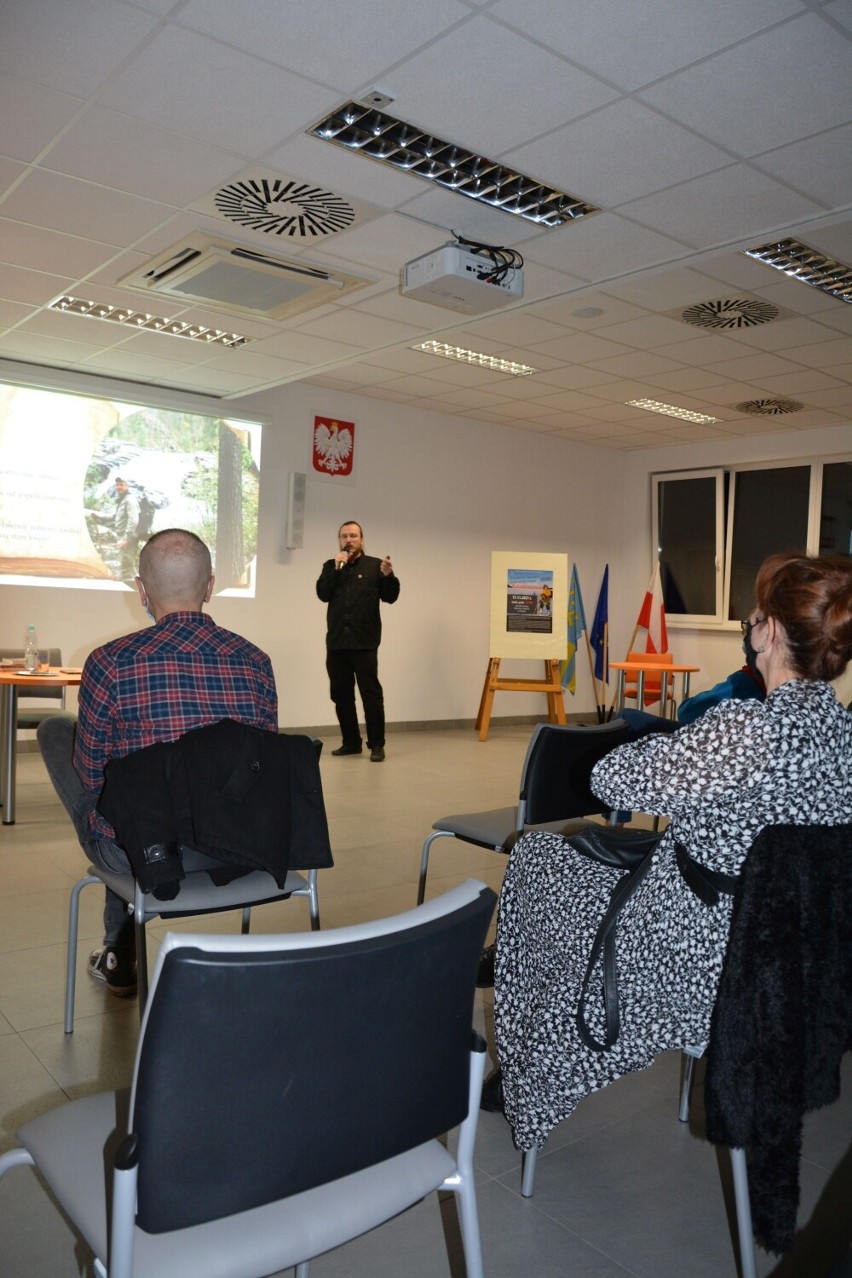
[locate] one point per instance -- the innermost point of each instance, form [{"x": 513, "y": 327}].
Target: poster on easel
[{"x": 529, "y": 605}]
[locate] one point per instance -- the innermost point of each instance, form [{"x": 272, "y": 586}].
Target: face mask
[{"x": 751, "y": 653}]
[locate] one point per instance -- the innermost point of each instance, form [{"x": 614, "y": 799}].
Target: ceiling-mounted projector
[{"x": 462, "y": 280}]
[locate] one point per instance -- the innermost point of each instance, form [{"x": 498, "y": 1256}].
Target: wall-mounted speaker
[{"x": 295, "y": 510}]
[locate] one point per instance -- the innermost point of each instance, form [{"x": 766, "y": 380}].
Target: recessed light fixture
[
  {"x": 806, "y": 265},
  {"x": 153, "y": 323},
  {"x": 493, "y": 362},
  {"x": 671, "y": 410},
  {"x": 381, "y": 137}
]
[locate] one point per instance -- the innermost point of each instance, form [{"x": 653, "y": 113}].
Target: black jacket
[
  {"x": 353, "y": 594},
  {"x": 248, "y": 798},
  {"x": 783, "y": 1014}
]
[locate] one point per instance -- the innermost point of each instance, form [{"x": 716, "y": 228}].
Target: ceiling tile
[
  {"x": 660, "y": 40},
  {"x": 473, "y": 54},
  {"x": 357, "y": 41},
  {"x": 703, "y": 212},
  {"x": 73, "y": 46},
  {"x": 265, "y": 103},
  {"x": 603, "y": 157},
  {"x": 744, "y": 98},
  {"x": 129, "y": 155},
  {"x": 61, "y": 203}
]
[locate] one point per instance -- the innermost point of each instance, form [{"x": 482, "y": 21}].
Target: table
[
  {"x": 651, "y": 665},
  {"x": 10, "y": 681}
]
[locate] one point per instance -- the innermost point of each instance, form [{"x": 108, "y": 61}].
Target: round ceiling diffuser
[
  {"x": 292, "y": 209},
  {"x": 768, "y": 407},
  {"x": 730, "y": 312}
]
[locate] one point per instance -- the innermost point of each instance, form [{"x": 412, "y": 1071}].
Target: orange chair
[{"x": 653, "y": 682}]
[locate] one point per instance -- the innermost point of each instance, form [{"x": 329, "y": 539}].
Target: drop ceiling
[{"x": 698, "y": 129}]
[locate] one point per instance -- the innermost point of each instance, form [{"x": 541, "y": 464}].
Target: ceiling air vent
[
  {"x": 729, "y": 313},
  {"x": 768, "y": 407},
  {"x": 233, "y": 277}
]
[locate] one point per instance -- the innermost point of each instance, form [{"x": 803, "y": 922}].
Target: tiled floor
[{"x": 622, "y": 1187}]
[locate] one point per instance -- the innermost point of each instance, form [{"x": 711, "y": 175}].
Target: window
[{"x": 714, "y": 528}]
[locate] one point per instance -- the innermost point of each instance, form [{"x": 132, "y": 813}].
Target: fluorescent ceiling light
[
  {"x": 402, "y": 146},
  {"x": 493, "y": 362},
  {"x": 671, "y": 410},
  {"x": 153, "y": 323},
  {"x": 806, "y": 265}
]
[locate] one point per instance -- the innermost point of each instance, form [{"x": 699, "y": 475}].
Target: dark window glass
[
  {"x": 835, "y": 516},
  {"x": 770, "y": 515},
  {"x": 687, "y": 545}
]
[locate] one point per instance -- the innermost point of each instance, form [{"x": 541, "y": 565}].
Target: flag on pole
[
  {"x": 652, "y": 615},
  {"x": 576, "y": 618},
  {"x": 599, "y": 633}
]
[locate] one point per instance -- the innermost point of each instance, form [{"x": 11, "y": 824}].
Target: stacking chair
[
  {"x": 32, "y": 716},
  {"x": 554, "y": 791},
  {"x": 289, "y": 1093},
  {"x": 653, "y": 684},
  {"x": 198, "y": 894}
]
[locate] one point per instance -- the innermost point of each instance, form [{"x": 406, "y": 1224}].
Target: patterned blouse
[{"x": 741, "y": 766}]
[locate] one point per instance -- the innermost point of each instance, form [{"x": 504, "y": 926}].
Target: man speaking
[{"x": 353, "y": 585}]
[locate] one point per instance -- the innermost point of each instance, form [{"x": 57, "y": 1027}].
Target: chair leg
[
  {"x": 141, "y": 953},
  {"x": 302, "y": 1270},
  {"x": 689, "y": 1056},
  {"x": 313, "y": 899},
  {"x": 424, "y": 860},
  {"x": 748, "y": 1262},
  {"x": 528, "y": 1173},
  {"x": 71, "y": 954},
  {"x": 245, "y": 924}
]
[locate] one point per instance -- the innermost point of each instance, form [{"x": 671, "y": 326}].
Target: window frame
[{"x": 725, "y": 526}]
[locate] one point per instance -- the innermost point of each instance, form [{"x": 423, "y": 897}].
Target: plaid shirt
[{"x": 154, "y": 685}]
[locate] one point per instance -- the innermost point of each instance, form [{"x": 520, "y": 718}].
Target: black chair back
[
  {"x": 558, "y": 767},
  {"x": 263, "y": 1072}
]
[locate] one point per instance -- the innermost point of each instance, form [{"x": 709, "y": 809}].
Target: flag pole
[
  {"x": 591, "y": 665},
  {"x": 602, "y": 715}
]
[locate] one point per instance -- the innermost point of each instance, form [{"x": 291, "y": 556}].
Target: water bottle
[{"x": 31, "y": 650}]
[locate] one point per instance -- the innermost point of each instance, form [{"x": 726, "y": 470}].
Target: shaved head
[{"x": 175, "y": 573}]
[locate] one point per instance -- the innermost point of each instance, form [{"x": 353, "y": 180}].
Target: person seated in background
[
  {"x": 740, "y": 685},
  {"x": 151, "y": 686},
  {"x": 739, "y": 767}
]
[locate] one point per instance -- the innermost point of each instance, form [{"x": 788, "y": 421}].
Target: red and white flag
[{"x": 652, "y": 615}]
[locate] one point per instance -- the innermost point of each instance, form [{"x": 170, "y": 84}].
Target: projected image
[{"x": 84, "y": 483}]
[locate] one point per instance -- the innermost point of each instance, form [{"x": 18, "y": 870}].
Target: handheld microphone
[{"x": 345, "y": 550}]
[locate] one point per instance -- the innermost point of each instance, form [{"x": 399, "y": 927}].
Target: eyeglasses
[{"x": 747, "y": 626}]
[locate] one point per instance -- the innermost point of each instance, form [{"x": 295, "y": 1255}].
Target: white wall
[{"x": 438, "y": 493}]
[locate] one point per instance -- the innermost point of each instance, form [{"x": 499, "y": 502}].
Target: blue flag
[
  {"x": 598, "y": 635},
  {"x": 576, "y": 619}
]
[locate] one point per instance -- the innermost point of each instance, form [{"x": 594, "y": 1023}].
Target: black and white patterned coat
[{"x": 720, "y": 780}]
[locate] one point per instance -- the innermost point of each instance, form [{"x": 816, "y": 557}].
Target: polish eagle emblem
[{"x": 334, "y": 442}]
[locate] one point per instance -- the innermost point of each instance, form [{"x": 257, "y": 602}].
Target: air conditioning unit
[
  {"x": 233, "y": 277},
  {"x": 461, "y": 280}
]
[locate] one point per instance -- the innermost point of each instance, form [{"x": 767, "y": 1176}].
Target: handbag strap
[{"x": 605, "y": 940}]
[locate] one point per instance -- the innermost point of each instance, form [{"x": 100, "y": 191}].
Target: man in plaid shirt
[{"x": 150, "y": 686}]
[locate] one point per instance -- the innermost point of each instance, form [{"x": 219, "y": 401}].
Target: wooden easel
[{"x": 551, "y": 685}]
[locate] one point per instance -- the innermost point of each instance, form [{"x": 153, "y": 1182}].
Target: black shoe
[
  {"x": 485, "y": 973},
  {"x": 377, "y": 754},
  {"x": 492, "y": 1093},
  {"x": 345, "y": 749},
  {"x": 116, "y": 968}
]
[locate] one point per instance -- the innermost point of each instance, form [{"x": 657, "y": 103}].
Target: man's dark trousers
[{"x": 344, "y": 666}]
